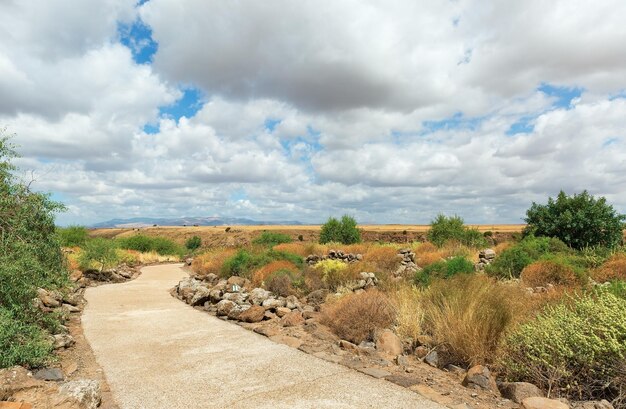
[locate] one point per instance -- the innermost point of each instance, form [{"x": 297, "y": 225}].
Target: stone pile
[
  {"x": 485, "y": 257},
  {"x": 407, "y": 264},
  {"x": 334, "y": 255},
  {"x": 120, "y": 274}
]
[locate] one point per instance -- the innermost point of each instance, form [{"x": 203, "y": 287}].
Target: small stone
[
  {"x": 432, "y": 359},
  {"x": 402, "y": 360},
  {"x": 479, "y": 377},
  {"x": 421, "y": 351},
  {"x": 456, "y": 369},
  {"x": 518, "y": 391},
  {"x": 63, "y": 341},
  {"x": 252, "y": 314},
  {"x": 258, "y": 295},
  {"x": 389, "y": 343},
  {"x": 292, "y": 319},
  {"x": 375, "y": 372},
  {"x": 282, "y": 311},
  {"x": 543, "y": 403},
  {"x": 273, "y": 303},
  {"x": 49, "y": 374},
  {"x": 347, "y": 345},
  {"x": 402, "y": 380},
  {"x": 267, "y": 330},
  {"x": 224, "y": 307}
]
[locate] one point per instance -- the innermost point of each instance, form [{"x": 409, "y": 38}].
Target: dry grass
[
  {"x": 410, "y": 313},
  {"x": 542, "y": 273},
  {"x": 500, "y": 247},
  {"x": 300, "y": 249},
  {"x": 427, "y": 254},
  {"x": 613, "y": 269},
  {"x": 153, "y": 257},
  {"x": 384, "y": 258},
  {"x": 355, "y": 317},
  {"x": 211, "y": 262},
  {"x": 260, "y": 275},
  {"x": 468, "y": 315}
]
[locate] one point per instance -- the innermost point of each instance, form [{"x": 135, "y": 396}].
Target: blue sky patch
[
  {"x": 187, "y": 106},
  {"x": 564, "y": 95},
  {"x": 456, "y": 121},
  {"x": 523, "y": 125},
  {"x": 138, "y": 38},
  {"x": 271, "y": 124}
]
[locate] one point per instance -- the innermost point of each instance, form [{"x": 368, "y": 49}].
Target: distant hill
[{"x": 190, "y": 221}]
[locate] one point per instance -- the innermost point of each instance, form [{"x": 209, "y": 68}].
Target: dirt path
[{"x": 158, "y": 352}]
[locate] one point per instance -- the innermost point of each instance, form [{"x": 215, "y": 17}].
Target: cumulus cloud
[{"x": 391, "y": 112}]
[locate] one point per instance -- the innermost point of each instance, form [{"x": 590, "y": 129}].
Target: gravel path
[{"x": 157, "y": 352}]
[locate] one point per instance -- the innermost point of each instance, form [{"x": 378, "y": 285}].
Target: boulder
[
  {"x": 518, "y": 391},
  {"x": 201, "y": 296},
  {"x": 388, "y": 343},
  {"x": 292, "y": 302},
  {"x": 48, "y": 374},
  {"x": 479, "y": 377},
  {"x": 292, "y": 319},
  {"x": 282, "y": 311},
  {"x": 63, "y": 341},
  {"x": 215, "y": 295},
  {"x": 85, "y": 392},
  {"x": 258, "y": 295},
  {"x": 273, "y": 303},
  {"x": 253, "y": 314},
  {"x": 543, "y": 403},
  {"x": 237, "y": 298},
  {"x": 236, "y": 311},
  {"x": 224, "y": 307},
  {"x": 48, "y": 299}
]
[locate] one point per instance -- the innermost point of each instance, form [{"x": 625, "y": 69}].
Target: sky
[{"x": 389, "y": 111}]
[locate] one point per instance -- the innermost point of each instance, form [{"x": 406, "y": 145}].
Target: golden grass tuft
[
  {"x": 300, "y": 249},
  {"x": 355, "y": 317},
  {"x": 211, "y": 262},
  {"x": 542, "y": 273},
  {"x": 410, "y": 313},
  {"x": 383, "y": 257},
  {"x": 612, "y": 269},
  {"x": 260, "y": 275}
]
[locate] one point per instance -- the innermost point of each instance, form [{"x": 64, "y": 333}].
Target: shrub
[
  {"x": 467, "y": 317},
  {"x": 571, "y": 348},
  {"x": 613, "y": 269},
  {"x": 333, "y": 273},
  {"x": 243, "y": 263},
  {"x": 293, "y": 248},
  {"x": 268, "y": 238},
  {"x": 543, "y": 272},
  {"x": 193, "y": 243},
  {"x": 98, "y": 253},
  {"x": 261, "y": 275},
  {"x": 21, "y": 343},
  {"x": 211, "y": 262},
  {"x": 617, "y": 288},
  {"x": 237, "y": 265},
  {"x": 409, "y": 312},
  {"x": 284, "y": 282},
  {"x": 72, "y": 236},
  {"x": 444, "y": 229},
  {"x": 443, "y": 269},
  {"x": 344, "y": 231},
  {"x": 146, "y": 244},
  {"x": 356, "y": 317},
  {"x": 385, "y": 258},
  {"x": 579, "y": 221}
]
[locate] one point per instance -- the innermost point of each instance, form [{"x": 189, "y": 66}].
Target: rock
[
  {"x": 63, "y": 341},
  {"x": 211, "y": 279},
  {"x": 317, "y": 297},
  {"x": 273, "y": 303},
  {"x": 70, "y": 308},
  {"x": 215, "y": 295},
  {"x": 49, "y": 374},
  {"x": 402, "y": 361},
  {"x": 389, "y": 343},
  {"x": 236, "y": 281},
  {"x": 253, "y": 314},
  {"x": 224, "y": 307},
  {"x": 375, "y": 372},
  {"x": 292, "y": 302},
  {"x": 347, "y": 345},
  {"x": 258, "y": 295},
  {"x": 456, "y": 370},
  {"x": 592, "y": 404},
  {"x": 237, "y": 298},
  {"x": 85, "y": 392},
  {"x": 201, "y": 296},
  {"x": 518, "y": 391},
  {"x": 287, "y": 340},
  {"x": 292, "y": 319},
  {"x": 267, "y": 330},
  {"x": 269, "y": 315},
  {"x": 432, "y": 358},
  {"x": 236, "y": 311},
  {"x": 479, "y": 377},
  {"x": 403, "y": 380},
  {"x": 543, "y": 403},
  {"x": 48, "y": 299},
  {"x": 282, "y": 311},
  {"x": 421, "y": 351}
]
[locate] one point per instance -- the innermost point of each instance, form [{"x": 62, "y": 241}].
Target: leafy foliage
[
  {"x": 270, "y": 239},
  {"x": 344, "y": 231},
  {"x": 444, "y": 269},
  {"x": 334, "y": 273},
  {"x": 444, "y": 229},
  {"x": 244, "y": 262},
  {"x": 193, "y": 243},
  {"x": 30, "y": 257},
  {"x": 98, "y": 253},
  {"x": 579, "y": 221},
  {"x": 146, "y": 244},
  {"x": 572, "y": 348},
  {"x": 72, "y": 236}
]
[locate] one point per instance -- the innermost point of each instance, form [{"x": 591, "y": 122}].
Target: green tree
[
  {"x": 99, "y": 251},
  {"x": 72, "y": 236},
  {"x": 444, "y": 229},
  {"x": 579, "y": 221},
  {"x": 193, "y": 243},
  {"x": 344, "y": 231}
]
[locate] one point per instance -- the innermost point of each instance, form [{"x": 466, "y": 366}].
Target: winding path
[{"x": 157, "y": 352}]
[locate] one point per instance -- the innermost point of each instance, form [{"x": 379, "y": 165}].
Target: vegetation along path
[{"x": 157, "y": 352}]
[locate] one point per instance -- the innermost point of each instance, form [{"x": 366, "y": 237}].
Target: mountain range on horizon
[{"x": 189, "y": 221}]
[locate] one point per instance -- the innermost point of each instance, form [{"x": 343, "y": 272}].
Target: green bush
[
  {"x": 444, "y": 229},
  {"x": 30, "y": 257},
  {"x": 344, "y": 231},
  {"x": 193, "y": 243},
  {"x": 145, "y": 244},
  {"x": 579, "y": 221},
  {"x": 268, "y": 238},
  {"x": 244, "y": 262},
  {"x": 443, "y": 269},
  {"x": 98, "y": 253},
  {"x": 572, "y": 348},
  {"x": 72, "y": 236}
]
